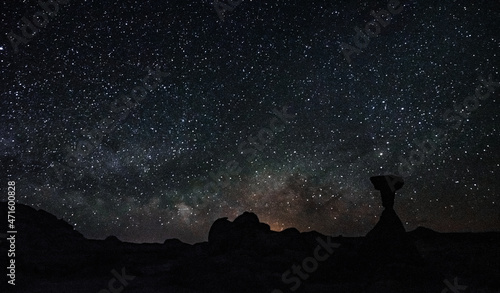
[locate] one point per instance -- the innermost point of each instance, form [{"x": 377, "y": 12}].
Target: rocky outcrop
[
  {"x": 245, "y": 232},
  {"x": 40, "y": 230},
  {"x": 387, "y": 252},
  {"x": 388, "y": 242}
]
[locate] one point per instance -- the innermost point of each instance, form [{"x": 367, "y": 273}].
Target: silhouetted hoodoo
[{"x": 387, "y": 242}]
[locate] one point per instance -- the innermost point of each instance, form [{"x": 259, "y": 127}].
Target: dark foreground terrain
[{"x": 245, "y": 256}]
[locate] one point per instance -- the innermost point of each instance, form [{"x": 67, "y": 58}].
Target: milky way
[{"x": 149, "y": 120}]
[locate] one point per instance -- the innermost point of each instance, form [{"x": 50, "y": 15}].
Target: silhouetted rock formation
[
  {"x": 387, "y": 249},
  {"x": 245, "y": 232},
  {"x": 42, "y": 230},
  {"x": 388, "y": 185},
  {"x": 387, "y": 242}
]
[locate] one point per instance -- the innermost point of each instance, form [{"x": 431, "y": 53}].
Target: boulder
[{"x": 245, "y": 233}]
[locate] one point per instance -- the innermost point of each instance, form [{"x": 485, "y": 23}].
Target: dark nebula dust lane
[{"x": 149, "y": 120}]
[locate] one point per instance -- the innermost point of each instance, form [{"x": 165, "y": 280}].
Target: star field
[{"x": 201, "y": 144}]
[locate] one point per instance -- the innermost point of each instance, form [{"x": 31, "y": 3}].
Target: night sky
[{"x": 149, "y": 120}]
